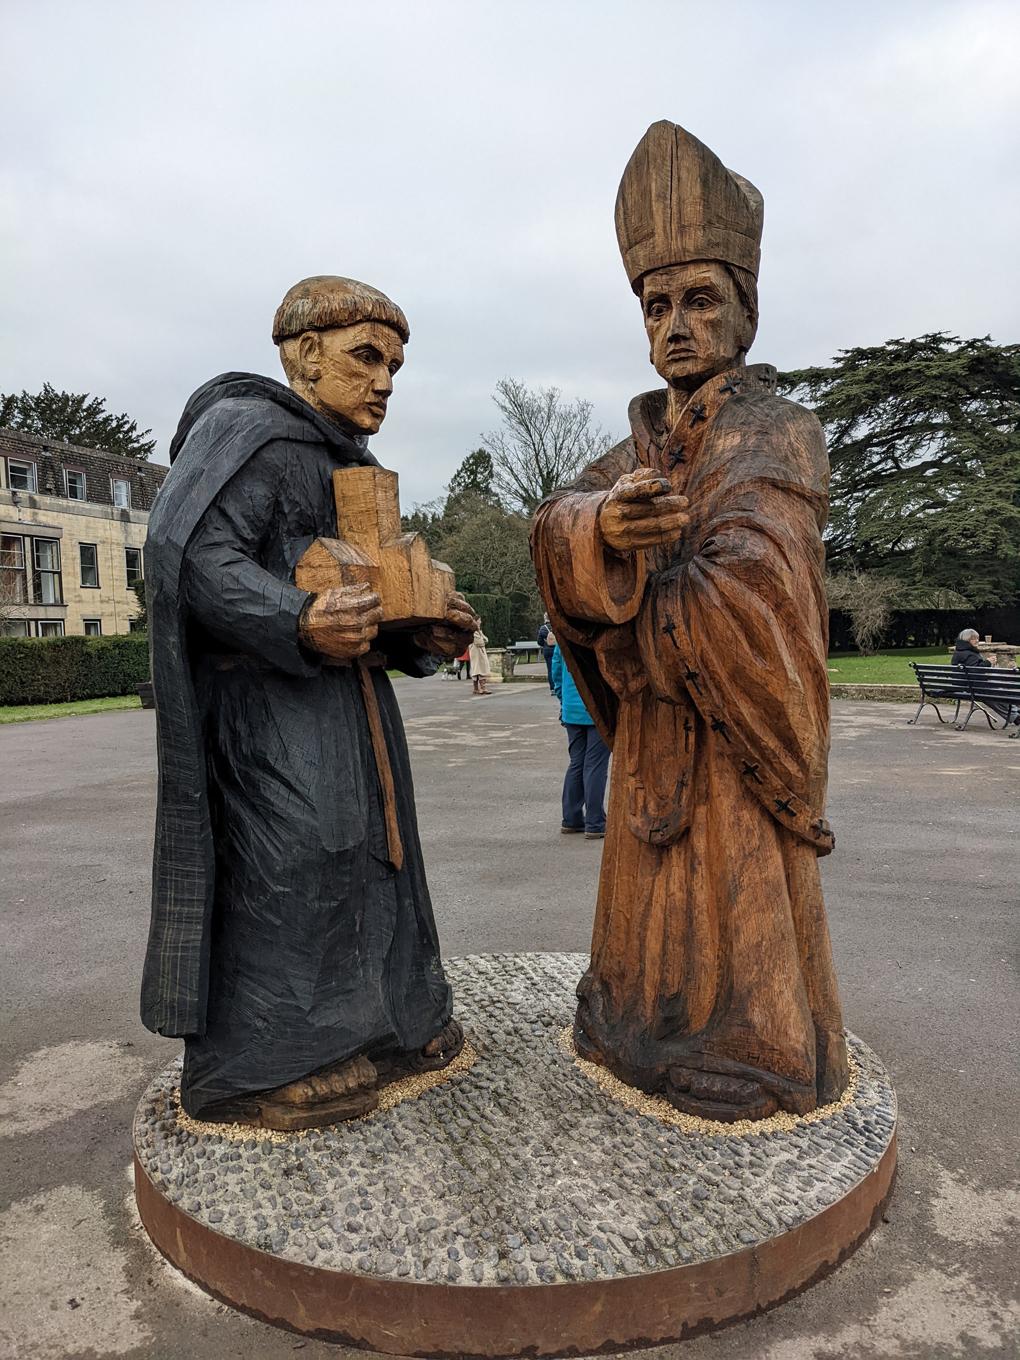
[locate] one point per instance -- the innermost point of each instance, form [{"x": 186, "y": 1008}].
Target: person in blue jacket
[{"x": 584, "y": 785}]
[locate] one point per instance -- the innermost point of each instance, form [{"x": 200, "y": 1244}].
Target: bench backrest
[{"x": 974, "y": 682}]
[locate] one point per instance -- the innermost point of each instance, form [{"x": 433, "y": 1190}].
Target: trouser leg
[
  {"x": 596, "y": 763},
  {"x": 573, "y": 782}
]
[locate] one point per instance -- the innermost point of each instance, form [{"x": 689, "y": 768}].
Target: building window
[
  {"x": 88, "y": 557},
  {"x": 134, "y": 625},
  {"x": 21, "y": 476},
  {"x": 13, "y": 578},
  {"x": 133, "y": 566},
  {"x": 51, "y": 628},
  {"x": 47, "y": 571},
  {"x": 16, "y": 628},
  {"x": 121, "y": 493},
  {"x": 92, "y": 627},
  {"x": 75, "y": 483}
]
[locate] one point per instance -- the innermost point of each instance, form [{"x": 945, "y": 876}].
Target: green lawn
[
  {"x": 887, "y": 668},
  {"x": 28, "y": 712}
]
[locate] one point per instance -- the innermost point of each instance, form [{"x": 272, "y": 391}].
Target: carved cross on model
[{"x": 371, "y": 548}]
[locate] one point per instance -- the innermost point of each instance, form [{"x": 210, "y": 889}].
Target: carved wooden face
[
  {"x": 347, "y": 373},
  {"x": 695, "y": 321}
]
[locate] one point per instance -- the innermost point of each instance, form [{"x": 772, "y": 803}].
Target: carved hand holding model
[
  {"x": 683, "y": 577},
  {"x": 341, "y": 622}
]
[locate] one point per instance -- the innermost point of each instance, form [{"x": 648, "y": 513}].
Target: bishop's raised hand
[{"x": 641, "y": 511}]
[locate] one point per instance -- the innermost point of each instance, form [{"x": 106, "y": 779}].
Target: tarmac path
[{"x": 922, "y": 900}]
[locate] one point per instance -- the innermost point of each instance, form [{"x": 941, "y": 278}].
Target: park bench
[
  {"x": 977, "y": 685},
  {"x": 525, "y": 651}
]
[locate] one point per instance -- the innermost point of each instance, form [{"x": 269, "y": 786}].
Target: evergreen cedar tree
[
  {"x": 924, "y": 445},
  {"x": 76, "y": 419}
]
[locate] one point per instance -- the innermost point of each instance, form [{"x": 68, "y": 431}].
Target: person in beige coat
[{"x": 479, "y": 663}]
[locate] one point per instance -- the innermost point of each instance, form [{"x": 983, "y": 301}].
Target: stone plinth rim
[{"x": 624, "y": 1313}]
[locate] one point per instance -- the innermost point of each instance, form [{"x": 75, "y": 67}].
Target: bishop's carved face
[
  {"x": 697, "y": 325},
  {"x": 347, "y": 372}
]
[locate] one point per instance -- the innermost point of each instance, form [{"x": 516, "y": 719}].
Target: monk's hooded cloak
[{"x": 282, "y": 938}]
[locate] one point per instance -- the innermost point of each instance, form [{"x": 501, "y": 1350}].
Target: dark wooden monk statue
[
  {"x": 683, "y": 573},
  {"x": 292, "y": 943}
]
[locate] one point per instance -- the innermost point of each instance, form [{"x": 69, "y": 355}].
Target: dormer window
[
  {"x": 121, "y": 493},
  {"x": 74, "y": 481}
]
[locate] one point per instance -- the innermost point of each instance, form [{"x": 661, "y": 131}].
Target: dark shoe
[
  {"x": 710, "y": 1095},
  {"x": 571, "y": 830},
  {"x": 396, "y": 1064},
  {"x": 594, "y": 835}
]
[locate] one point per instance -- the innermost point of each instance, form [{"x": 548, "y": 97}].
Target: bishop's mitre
[{"x": 677, "y": 202}]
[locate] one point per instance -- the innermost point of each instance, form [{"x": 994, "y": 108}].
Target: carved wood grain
[{"x": 372, "y": 549}]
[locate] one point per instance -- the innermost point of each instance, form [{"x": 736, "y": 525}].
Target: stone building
[{"x": 72, "y": 529}]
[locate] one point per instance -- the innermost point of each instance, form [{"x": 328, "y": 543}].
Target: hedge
[
  {"x": 62, "y": 670},
  {"x": 930, "y": 627}
]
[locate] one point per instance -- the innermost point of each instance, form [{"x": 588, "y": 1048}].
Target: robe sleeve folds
[{"x": 731, "y": 620}]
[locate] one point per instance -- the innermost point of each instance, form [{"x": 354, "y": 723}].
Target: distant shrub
[{"x": 62, "y": 670}]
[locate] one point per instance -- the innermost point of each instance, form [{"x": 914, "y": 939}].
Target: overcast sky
[{"x": 170, "y": 169}]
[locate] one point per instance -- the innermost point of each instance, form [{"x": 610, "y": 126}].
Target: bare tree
[
  {"x": 868, "y": 598},
  {"x": 542, "y": 444}
]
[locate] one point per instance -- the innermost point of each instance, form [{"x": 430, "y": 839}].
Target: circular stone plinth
[{"x": 518, "y": 1205}]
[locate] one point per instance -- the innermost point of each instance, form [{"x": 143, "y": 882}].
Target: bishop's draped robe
[{"x": 704, "y": 665}]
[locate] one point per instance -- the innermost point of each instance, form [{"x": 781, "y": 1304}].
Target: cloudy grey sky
[{"x": 170, "y": 169}]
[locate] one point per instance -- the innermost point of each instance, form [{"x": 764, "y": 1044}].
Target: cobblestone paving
[{"x": 520, "y": 1171}]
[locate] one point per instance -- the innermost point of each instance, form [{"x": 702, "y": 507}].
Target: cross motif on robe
[
  {"x": 698, "y": 413},
  {"x": 670, "y": 627},
  {"x": 692, "y": 678},
  {"x": 783, "y": 805},
  {"x": 752, "y": 770},
  {"x": 731, "y": 384},
  {"x": 719, "y": 726},
  {"x": 821, "y": 828},
  {"x": 677, "y": 456}
]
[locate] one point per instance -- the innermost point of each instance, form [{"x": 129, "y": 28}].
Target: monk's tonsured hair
[{"x": 327, "y": 301}]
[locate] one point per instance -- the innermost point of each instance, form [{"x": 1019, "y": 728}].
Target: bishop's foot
[
  {"x": 329, "y": 1095},
  {"x": 710, "y": 1095},
  {"x": 439, "y": 1052}
]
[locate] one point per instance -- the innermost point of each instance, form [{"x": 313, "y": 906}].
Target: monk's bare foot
[
  {"x": 437, "y": 1053},
  {"x": 710, "y": 1095},
  {"x": 329, "y": 1095}
]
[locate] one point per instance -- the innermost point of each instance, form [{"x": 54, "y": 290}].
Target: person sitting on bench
[{"x": 967, "y": 654}]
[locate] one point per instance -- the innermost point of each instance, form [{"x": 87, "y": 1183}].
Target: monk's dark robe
[
  {"x": 286, "y": 940},
  {"x": 704, "y": 664}
]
